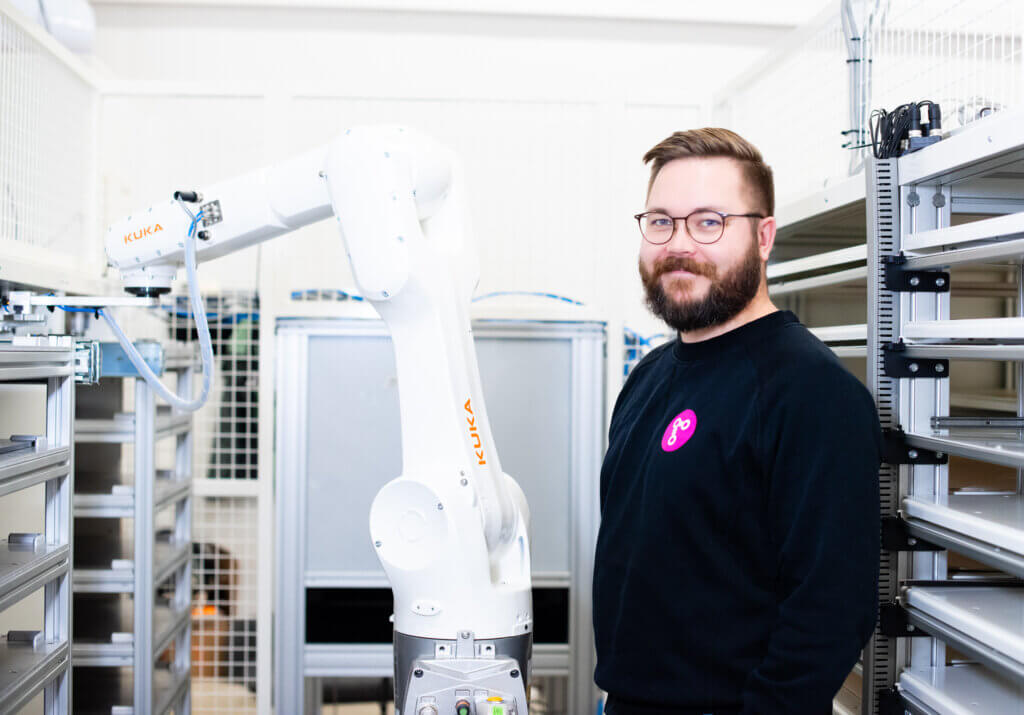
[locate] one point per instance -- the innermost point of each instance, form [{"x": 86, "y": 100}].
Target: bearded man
[{"x": 737, "y": 559}]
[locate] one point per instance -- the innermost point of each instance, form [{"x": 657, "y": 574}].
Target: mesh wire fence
[
  {"x": 47, "y": 133},
  {"x": 964, "y": 54},
  {"x": 225, "y": 528},
  {"x": 796, "y": 105}
]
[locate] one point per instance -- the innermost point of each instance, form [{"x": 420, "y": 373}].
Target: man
[{"x": 737, "y": 559}]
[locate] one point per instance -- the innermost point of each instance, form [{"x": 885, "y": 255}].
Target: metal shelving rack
[
  {"x": 910, "y": 205},
  {"x": 34, "y": 661},
  {"x": 126, "y": 619}
]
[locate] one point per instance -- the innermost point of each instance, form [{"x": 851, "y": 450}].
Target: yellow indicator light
[{"x": 495, "y": 699}]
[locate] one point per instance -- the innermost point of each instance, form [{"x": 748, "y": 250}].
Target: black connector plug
[{"x": 187, "y": 196}]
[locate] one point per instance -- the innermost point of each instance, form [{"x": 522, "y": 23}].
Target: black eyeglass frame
[{"x": 685, "y": 219}]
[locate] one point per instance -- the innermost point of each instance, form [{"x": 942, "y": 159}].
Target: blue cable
[
  {"x": 297, "y": 294},
  {"x": 195, "y": 220},
  {"x": 538, "y": 294}
]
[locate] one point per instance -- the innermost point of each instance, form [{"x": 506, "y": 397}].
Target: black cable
[{"x": 890, "y": 130}]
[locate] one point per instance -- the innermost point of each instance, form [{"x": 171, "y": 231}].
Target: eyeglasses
[{"x": 704, "y": 226}]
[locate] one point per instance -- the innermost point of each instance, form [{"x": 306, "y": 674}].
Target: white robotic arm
[{"x": 452, "y": 531}]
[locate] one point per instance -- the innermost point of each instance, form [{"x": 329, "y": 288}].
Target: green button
[{"x": 463, "y": 710}]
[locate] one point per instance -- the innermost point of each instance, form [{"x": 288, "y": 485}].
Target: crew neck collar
[{"x": 745, "y": 334}]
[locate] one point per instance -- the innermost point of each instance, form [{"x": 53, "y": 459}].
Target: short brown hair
[{"x": 714, "y": 141}]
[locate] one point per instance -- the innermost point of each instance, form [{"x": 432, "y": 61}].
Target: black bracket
[
  {"x": 890, "y": 702},
  {"x": 896, "y": 537},
  {"x": 899, "y": 279},
  {"x": 898, "y": 365},
  {"x": 897, "y": 451},
  {"x": 893, "y": 622}
]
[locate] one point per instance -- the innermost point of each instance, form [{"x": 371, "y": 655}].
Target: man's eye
[
  {"x": 710, "y": 223},
  {"x": 660, "y": 222}
]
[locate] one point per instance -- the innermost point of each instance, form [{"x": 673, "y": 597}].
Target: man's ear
[{"x": 766, "y": 236}]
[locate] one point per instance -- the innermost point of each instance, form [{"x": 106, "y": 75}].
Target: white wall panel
[{"x": 534, "y": 174}]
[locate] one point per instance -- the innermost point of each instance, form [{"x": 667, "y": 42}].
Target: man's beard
[{"x": 726, "y": 296}]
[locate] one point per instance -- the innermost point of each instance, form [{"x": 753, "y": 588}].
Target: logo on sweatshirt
[{"x": 679, "y": 431}]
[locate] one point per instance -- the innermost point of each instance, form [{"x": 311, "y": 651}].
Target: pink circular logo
[{"x": 679, "y": 431}]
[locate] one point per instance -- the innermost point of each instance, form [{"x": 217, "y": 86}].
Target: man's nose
[{"x": 681, "y": 241}]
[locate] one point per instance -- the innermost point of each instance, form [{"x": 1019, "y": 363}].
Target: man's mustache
[{"x": 682, "y": 263}]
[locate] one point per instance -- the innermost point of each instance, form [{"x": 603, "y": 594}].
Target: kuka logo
[
  {"x": 679, "y": 431},
  {"x": 477, "y": 444},
  {"x": 142, "y": 233}
]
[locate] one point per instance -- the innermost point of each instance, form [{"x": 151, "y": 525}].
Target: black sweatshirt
[{"x": 737, "y": 559}]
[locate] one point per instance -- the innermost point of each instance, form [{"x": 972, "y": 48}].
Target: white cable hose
[{"x": 205, "y": 344}]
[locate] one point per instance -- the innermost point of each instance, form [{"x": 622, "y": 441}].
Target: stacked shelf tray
[
  {"x": 39, "y": 661},
  {"x": 132, "y": 628}
]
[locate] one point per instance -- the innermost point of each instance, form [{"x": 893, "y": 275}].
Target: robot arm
[
  {"x": 394, "y": 195},
  {"x": 452, "y": 531}
]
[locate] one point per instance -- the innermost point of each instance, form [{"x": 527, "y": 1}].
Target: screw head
[
  {"x": 418, "y": 673},
  {"x": 378, "y": 544},
  {"x": 463, "y": 482},
  {"x": 911, "y": 628},
  {"x": 440, "y": 507},
  {"x": 912, "y": 541},
  {"x": 940, "y": 368},
  {"x": 913, "y": 367},
  {"x": 940, "y": 282},
  {"x": 514, "y": 673},
  {"x": 914, "y": 281},
  {"x": 912, "y": 454}
]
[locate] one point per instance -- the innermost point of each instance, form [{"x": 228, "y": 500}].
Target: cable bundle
[{"x": 901, "y": 131}]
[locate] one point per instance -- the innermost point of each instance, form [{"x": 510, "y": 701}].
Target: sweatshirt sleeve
[{"x": 822, "y": 447}]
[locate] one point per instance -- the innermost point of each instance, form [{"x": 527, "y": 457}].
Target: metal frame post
[
  {"x": 182, "y": 535},
  {"x": 145, "y": 591},
  {"x": 60, "y": 410},
  {"x": 883, "y": 221}
]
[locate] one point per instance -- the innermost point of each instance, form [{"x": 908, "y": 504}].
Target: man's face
[{"x": 692, "y": 286}]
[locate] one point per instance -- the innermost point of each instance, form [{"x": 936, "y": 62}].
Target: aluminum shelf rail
[
  {"x": 107, "y": 637},
  {"x": 910, "y": 203},
  {"x": 999, "y": 252},
  {"x": 995, "y": 330},
  {"x": 119, "y": 501},
  {"x": 108, "y": 570},
  {"x": 124, "y": 615},
  {"x": 121, "y": 429},
  {"x": 26, "y": 567},
  {"x": 987, "y": 527},
  {"x": 23, "y": 469},
  {"x": 31, "y": 362},
  {"x": 26, "y": 669},
  {"x": 988, "y": 445},
  {"x": 39, "y": 660},
  {"x": 846, "y": 341},
  {"x": 116, "y": 685},
  {"x": 983, "y": 622},
  {"x": 999, "y": 228},
  {"x": 959, "y": 690},
  {"x": 818, "y": 271}
]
